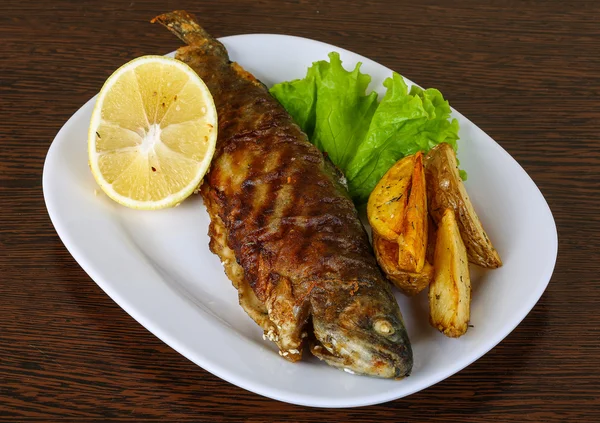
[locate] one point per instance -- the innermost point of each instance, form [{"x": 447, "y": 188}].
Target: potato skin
[
  {"x": 409, "y": 283},
  {"x": 450, "y": 290},
  {"x": 445, "y": 189}
]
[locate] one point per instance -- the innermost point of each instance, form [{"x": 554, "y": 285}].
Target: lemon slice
[{"x": 152, "y": 134}]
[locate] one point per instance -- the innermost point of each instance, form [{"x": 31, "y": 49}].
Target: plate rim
[{"x": 375, "y": 398}]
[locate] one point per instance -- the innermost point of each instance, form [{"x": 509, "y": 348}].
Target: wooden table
[{"x": 528, "y": 73}]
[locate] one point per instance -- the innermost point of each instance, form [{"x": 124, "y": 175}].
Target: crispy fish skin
[{"x": 285, "y": 228}]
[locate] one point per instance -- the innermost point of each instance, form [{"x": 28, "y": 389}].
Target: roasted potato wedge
[
  {"x": 412, "y": 241},
  {"x": 445, "y": 190},
  {"x": 450, "y": 290},
  {"x": 387, "y": 203},
  {"x": 409, "y": 283}
]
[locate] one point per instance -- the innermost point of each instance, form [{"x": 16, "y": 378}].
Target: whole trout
[{"x": 286, "y": 230}]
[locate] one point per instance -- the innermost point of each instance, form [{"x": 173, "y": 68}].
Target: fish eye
[{"x": 383, "y": 327}]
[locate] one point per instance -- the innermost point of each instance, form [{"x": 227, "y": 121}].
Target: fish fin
[{"x": 185, "y": 26}]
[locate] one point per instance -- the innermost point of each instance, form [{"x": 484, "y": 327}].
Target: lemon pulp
[{"x": 152, "y": 133}]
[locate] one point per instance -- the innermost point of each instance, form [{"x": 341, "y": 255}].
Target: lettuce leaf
[
  {"x": 299, "y": 97},
  {"x": 331, "y": 106},
  {"x": 362, "y": 137},
  {"x": 403, "y": 124}
]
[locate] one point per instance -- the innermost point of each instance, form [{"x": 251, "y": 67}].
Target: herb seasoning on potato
[
  {"x": 420, "y": 214},
  {"x": 445, "y": 189},
  {"x": 397, "y": 213},
  {"x": 450, "y": 291}
]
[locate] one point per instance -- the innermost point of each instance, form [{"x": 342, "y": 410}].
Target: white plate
[{"x": 158, "y": 268}]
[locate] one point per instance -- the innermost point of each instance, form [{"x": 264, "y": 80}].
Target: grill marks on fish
[
  {"x": 218, "y": 245},
  {"x": 284, "y": 225}
]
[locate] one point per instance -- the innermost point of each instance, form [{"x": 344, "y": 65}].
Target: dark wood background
[{"x": 528, "y": 73}]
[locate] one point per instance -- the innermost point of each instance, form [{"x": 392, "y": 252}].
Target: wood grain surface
[{"x": 526, "y": 72}]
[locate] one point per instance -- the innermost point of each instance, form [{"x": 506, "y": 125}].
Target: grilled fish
[{"x": 286, "y": 230}]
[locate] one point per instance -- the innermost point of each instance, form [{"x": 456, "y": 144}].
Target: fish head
[{"x": 361, "y": 333}]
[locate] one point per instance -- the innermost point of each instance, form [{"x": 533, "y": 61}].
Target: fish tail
[{"x": 186, "y": 28}]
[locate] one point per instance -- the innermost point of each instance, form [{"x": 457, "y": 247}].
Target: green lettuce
[
  {"x": 331, "y": 106},
  {"x": 362, "y": 137}
]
